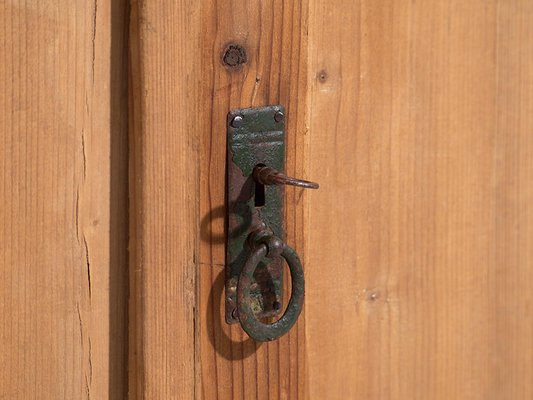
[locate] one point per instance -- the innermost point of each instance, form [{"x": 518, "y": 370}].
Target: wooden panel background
[
  {"x": 420, "y": 261},
  {"x": 63, "y": 190},
  {"x": 415, "y": 117}
]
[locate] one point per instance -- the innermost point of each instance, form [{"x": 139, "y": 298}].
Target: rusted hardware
[
  {"x": 254, "y": 195},
  {"x": 253, "y": 137},
  {"x": 269, "y": 176},
  {"x": 264, "y": 244}
]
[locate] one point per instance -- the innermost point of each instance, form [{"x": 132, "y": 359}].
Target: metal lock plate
[{"x": 255, "y": 136}]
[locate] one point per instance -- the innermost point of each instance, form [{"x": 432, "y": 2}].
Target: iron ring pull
[{"x": 256, "y": 329}]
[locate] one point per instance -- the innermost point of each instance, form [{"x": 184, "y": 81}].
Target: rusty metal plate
[{"x": 255, "y": 136}]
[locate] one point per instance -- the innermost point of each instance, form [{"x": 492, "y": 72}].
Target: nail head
[
  {"x": 236, "y": 122},
  {"x": 279, "y": 116}
]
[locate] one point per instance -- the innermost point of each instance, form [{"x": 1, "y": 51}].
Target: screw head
[
  {"x": 279, "y": 116},
  {"x": 236, "y": 122}
]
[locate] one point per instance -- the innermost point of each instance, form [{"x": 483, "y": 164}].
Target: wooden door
[{"x": 416, "y": 118}]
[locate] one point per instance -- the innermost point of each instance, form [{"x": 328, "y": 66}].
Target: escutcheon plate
[{"x": 254, "y": 136}]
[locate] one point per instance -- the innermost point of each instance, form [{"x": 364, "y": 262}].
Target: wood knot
[{"x": 234, "y": 55}]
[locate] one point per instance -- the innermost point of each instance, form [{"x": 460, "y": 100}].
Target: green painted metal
[
  {"x": 247, "y": 316},
  {"x": 257, "y": 138}
]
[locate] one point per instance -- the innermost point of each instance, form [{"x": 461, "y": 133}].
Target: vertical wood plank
[
  {"x": 181, "y": 93},
  {"x": 511, "y": 313},
  {"x": 63, "y": 189},
  {"x": 164, "y": 172},
  {"x": 421, "y": 120},
  {"x": 273, "y": 34}
]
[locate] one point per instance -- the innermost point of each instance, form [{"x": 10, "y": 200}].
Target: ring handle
[{"x": 256, "y": 329}]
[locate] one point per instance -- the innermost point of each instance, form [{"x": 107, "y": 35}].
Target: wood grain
[
  {"x": 164, "y": 198},
  {"x": 63, "y": 190},
  {"x": 181, "y": 95},
  {"x": 421, "y": 137},
  {"x": 273, "y": 34}
]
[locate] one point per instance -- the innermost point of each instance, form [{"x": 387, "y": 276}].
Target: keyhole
[
  {"x": 259, "y": 194},
  {"x": 259, "y": 199}
]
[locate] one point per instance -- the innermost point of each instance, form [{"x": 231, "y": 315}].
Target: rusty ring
[{"x": 249, "y": 322}]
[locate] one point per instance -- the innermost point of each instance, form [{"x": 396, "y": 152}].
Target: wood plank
[
  {"x": 420, "y": 135},
  {"x": 181, "y": 95},
  {"x": 164, "y": 198},
  {"x": 63, "y": 190},
  {"x": 273, "y": 35}
]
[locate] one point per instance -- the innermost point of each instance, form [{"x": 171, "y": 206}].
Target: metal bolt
[
  {"x": 278, "y": 116},
  {"x": 236, "y": 122}
]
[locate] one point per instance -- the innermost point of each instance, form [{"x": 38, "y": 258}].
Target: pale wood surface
[
  {"x": 420, "y": 260},
  {"x": 63, "y": 224}
]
